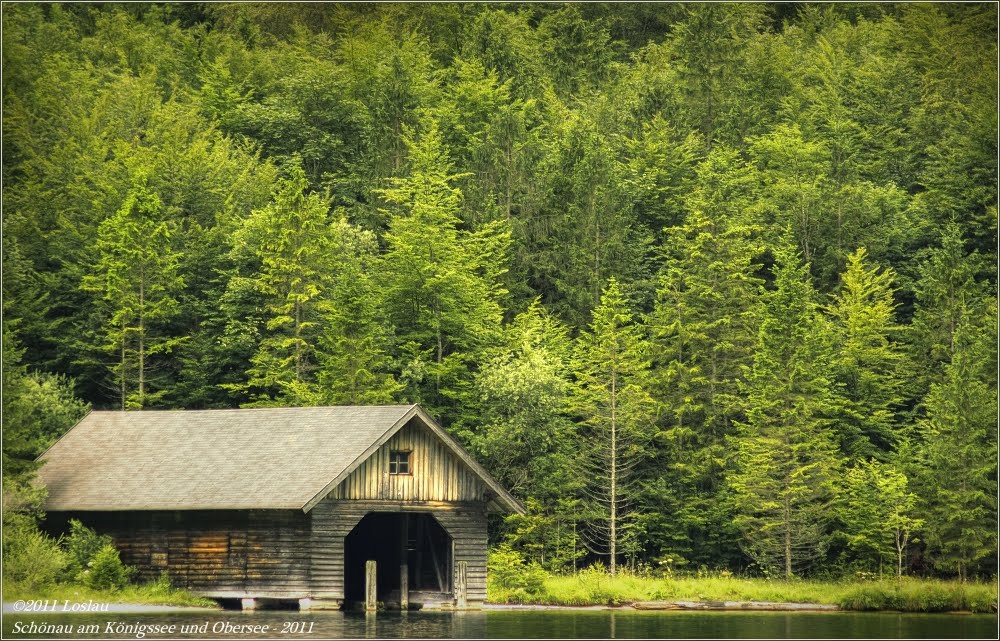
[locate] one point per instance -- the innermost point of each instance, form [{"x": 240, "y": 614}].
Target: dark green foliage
[{"x": 300, "y": 204}]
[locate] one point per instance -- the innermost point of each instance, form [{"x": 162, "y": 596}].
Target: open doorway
[{"x": 393, "y": 540}]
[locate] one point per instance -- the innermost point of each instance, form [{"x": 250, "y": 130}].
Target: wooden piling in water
[
  {"x": 371, "y": 592},
  {"x": 404, "y": 569},
  {"x": 461, "y": 589}
]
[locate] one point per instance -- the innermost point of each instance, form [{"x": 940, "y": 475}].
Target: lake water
[{"x": 518, "y": 624}]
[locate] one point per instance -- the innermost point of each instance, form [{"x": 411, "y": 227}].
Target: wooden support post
[
  {"x": 371, "y": 592},
  {"x": 404, "y": 568},
  {"x": 461, "y": 569}
]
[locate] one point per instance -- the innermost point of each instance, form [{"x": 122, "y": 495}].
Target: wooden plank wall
[
  {"x": 436, "y": 473},
  {"x": 221, "y": 553},
  {"x": 334, "y": 519}
]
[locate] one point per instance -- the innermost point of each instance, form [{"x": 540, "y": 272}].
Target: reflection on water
[{"x": 565, "y": 624}]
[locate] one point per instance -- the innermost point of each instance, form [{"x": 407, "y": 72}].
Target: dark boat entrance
[{"x": 414, "y": 544}]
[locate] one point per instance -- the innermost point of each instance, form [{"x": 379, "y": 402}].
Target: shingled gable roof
[{"x": 271, "y": 458}]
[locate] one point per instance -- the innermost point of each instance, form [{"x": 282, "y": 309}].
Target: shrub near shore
[
  {"x": 596, "y": 587},
  {"x": 83, "y": 566}
]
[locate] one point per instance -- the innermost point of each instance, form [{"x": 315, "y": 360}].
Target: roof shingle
[{"x": 272, "y": 458}]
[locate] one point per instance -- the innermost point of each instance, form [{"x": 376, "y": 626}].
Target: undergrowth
[{"x": 596, "y": 587}]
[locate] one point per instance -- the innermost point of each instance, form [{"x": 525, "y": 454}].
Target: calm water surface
[{"x": 556, "y": 624}]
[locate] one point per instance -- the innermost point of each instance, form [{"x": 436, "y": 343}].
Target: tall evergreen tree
[
  {"x": 442, "y": 284},
  {"x": 137, "y": 282},
  {"x": 353, "y": 361},
  {"x": 704, "y": 331},
  {"x": 288, "y": 245},
  {"x": 785, "y": 460},
  {"x": 866, "y": 365},
  {"x": 612, "y": 366},
  {"x": 958, "y": 456}
]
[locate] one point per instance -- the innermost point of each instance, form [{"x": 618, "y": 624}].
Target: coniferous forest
[{"x": 708, "y": 286}]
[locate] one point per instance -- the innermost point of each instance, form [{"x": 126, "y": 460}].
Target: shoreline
[
  {"x": 680, "y": 605},
  {"x": 10, "y": 608}
]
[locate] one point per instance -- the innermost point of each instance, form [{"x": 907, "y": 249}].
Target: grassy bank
[
  {"x": 910, "y": 595},
  {"x": 155, "y": 593}
]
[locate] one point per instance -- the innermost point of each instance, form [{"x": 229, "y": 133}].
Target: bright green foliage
[
  {"x": 290, "y": 244},
  {"x": 441, "y": 284},
  {"x": 106, "y": 570},
  {"x": 38, "y": 408},
  {"x": 209, "y": 206},
  {"x": 352, "y": 353},
  {"x": 526, "y": 438},
  {"x": 31, "y": 560},
  {"x": 82, "y": 546},
  {"x": 785, "y": 461},
  {"x": 611, "y": 365},
  {"x": 879, "y": 513},
  {"x": 137, "y": 282},
  {"x": 867, "y": 360},
  {"x": 522, "y": 393},
  {"x": 958, "y": 458},
  {"x": 508, "y": 571}
]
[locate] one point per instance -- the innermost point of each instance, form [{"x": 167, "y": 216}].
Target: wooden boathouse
[{"x": 284, "y": 504}]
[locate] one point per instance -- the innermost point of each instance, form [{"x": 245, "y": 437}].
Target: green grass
[
  {"x": 911, "y": 595},
  {"x": 155, "y": 593}
]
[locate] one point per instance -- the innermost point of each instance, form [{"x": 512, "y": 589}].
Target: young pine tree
[
  {"x": 612, "y": 366},
  {"x": 786, "y": 465}
]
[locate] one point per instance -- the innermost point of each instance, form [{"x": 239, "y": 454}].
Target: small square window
[{"x": 399, "y": 462}]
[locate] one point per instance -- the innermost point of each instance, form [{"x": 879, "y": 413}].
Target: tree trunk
[
  {"x": 142, "y": 343},
  {"x": 614, "y": 475}
]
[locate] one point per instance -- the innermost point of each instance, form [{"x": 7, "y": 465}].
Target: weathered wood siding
[
  {"x": 436, "y": 474},
  {"x": 219, "y": 553},
  {"x": 334, "y": 519}
]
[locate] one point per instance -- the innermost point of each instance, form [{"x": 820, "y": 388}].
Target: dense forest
[{"x": 708, "y": 286}]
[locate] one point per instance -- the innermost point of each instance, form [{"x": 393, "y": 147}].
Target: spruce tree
[
  {"x": 704, "y": 331},
  {"x": 958, "y": 468},
  {"x": 137, "y": 282},
  {"x": 611, "y": 366},
  {"x": 866, "y": 365},
  {"x": 785, "y": 461}
]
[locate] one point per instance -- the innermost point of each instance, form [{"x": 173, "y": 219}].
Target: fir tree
[
  {"x": 958, "y": 457},
  {"x": 704, "y": 330},
  {"x": 867, "y": 360},
  {"x": 785, "y": 463},
  {"x": 442, "y": 284},
  {"x": 137, "y": 282},
  {"x": 288, "y": 243},
  {"x": 611, "y": 366}
]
